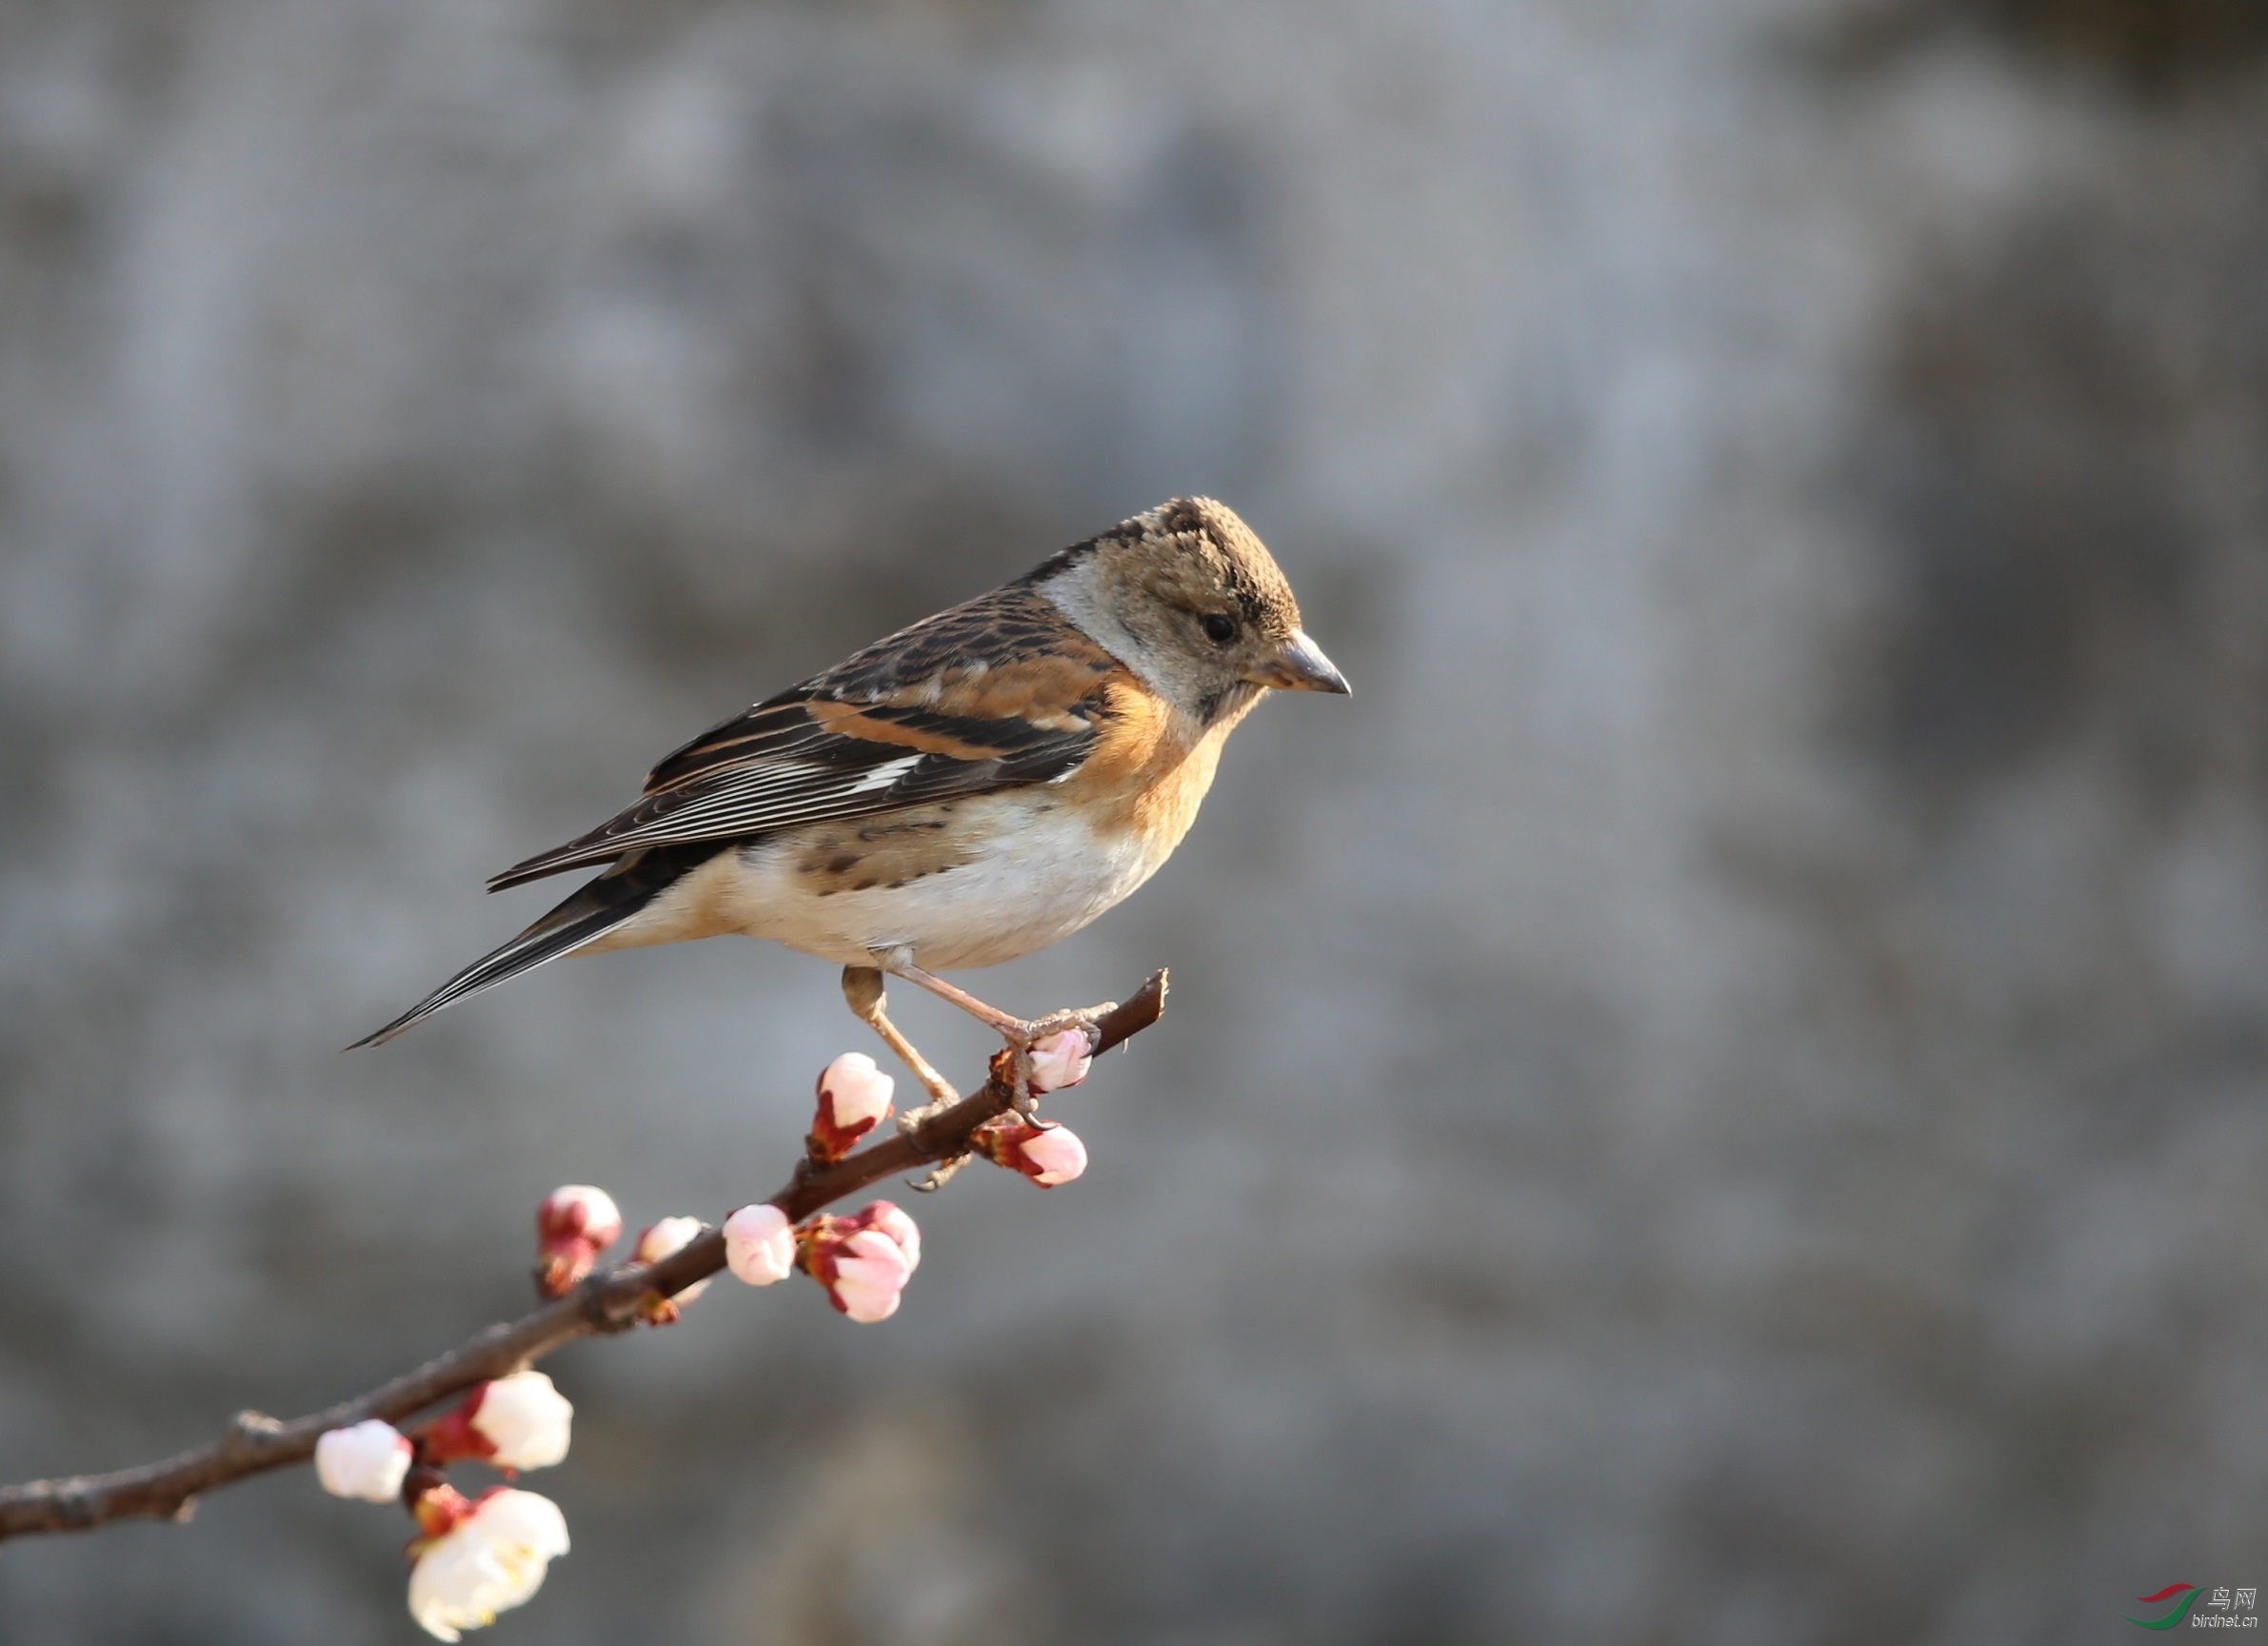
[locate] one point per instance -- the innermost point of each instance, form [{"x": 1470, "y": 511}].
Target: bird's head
[{"x": 1189, "y": 599}]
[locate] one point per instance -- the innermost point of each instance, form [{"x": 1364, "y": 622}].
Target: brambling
[{"x": 963, "y": 793}]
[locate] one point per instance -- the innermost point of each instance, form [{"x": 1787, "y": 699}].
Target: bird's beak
[{"x": 1300, "y": 665}]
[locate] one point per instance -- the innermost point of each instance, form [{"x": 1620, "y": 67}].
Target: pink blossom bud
[
  {"x": 482, "y": 1557},
  {"x": 1056, "y": 1156},
  {"x": 574, "y": 1225},
  {"x": 366, "y": 1459},
  {"x": 659, "y": 1240},
  {"x": 863, "y": 1260},
  {"x": 854, "y": 1098},
  {"x": 1062, "y": 1059},
  {"x": 516, "y": 1422},
  {"x": 1047, "y": 1155},
  {"x": 867, "y": 1273},
  {"x": 759, "y": 1244},
  {"x": 888, "y": 1220}
]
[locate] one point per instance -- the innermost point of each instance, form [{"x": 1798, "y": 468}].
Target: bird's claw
[
  {"x": 1022, "y": 1100},
  {"x": 1023, "y": 1035},
  {"x": 942, "y": 1174},
  {"x": 912, "y": 1120}
]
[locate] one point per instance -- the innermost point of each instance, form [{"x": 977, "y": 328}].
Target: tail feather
[{"x": 594, "y": 910}]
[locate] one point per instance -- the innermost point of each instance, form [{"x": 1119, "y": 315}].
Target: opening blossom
[
  {"x": 480, "y": 1557},
  {"x": 574, "y": 1225},
  {"x": 1047, "y": 1155},
  {"x": 366, "y": 1460},
  {"x": 759, "y": 1244},
  {"x": 656, "y": 1241},
  {"x": 864, "y": 1260},
  {"x": 854, "y": 1098},
  {"x": 1062, "y": 1059},
  {"x": 522, "y": 1421},
  {"x": 881, "y": 1215}
]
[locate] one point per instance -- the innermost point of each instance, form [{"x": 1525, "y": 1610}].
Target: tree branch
[{"x": 606, "y": 1300}]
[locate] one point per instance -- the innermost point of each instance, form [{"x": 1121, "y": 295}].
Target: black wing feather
[{"x": 778, "y": 764}]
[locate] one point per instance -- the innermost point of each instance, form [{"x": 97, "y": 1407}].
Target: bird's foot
[
  {"x": 913, "y": 1120},
  {"x": 1030, "y": 1070},
  {"x": 943, "y": 1173},
  {"x": 1033, "y": 1070}
]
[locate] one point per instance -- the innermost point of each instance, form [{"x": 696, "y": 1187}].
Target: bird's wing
[{"x": 997, "y": 693}]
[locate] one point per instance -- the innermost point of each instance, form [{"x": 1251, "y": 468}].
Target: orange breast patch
[{"x": 1150, "y": 769}]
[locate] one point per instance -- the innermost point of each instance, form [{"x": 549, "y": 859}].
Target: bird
[{"x": 963, "y": 792}]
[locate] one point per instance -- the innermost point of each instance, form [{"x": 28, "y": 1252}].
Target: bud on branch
[
  {"x": 1062, "y": 1059},
  {"x": 664, "y": 1239},
  {"x": 366, "y": 1460},
  {"x": 854, "y": 1098},
  {"x": 759, "y": 1244},
  {"x": 863, "y": 1260},
  {"x": 480, "y": 1557},
  {"x": 516, "y": 1422},
  {"x": 574, "y": 1225},
  {"x": 1047, "y": 1155}
]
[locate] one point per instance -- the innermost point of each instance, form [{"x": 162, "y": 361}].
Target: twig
[{"x": 606, "y": 1300}]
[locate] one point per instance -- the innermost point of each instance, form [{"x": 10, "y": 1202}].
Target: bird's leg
[
  {"x": 1021, "y": 1034},
  {"x": 861, "y": 987},
  {"x": 992, "y": 1017}
]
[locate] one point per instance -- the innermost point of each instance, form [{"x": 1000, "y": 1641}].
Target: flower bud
[
  {"x": 1047, "y": 1155},
  {"x": 863, "y": 1260},
  {"x": 482, "y": 1557},
  {"x": 759, "y": 1244},
  {"x": 888, "y": 1220},
  {"x": 866, "y": 1275},
  {"x": 516, "y": 1422},
  {"x": 1060, "y": 1060},
  {"x": 525, "y": 1419},
  {"x": 854, "y": 1098},
  {"x": 366, "y": 1459},
  {"x": 656, "y": 1241},
  {"x": 574, "y": 1225}
]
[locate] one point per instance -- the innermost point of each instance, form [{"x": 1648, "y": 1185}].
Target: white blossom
[
  {"x": 759, "y": 1244},
  {"x": 489, "y": 1561},
  {"x": 525, "y": 1419},
  {"x": 366, "y": 1460}
]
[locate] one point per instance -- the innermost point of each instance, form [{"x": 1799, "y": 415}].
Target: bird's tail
[{"x": 595, "y": 909}]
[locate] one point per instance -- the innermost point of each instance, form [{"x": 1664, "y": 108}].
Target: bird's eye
[{"x": 1220, "y": 628}]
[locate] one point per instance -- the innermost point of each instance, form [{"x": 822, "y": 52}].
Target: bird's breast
[
  {"x": 1151, "y": 771},
  {"x": 970, "y": 882}
]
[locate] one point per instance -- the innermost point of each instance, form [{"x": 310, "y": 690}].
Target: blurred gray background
[{"x": 1720, "y": 1099}]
